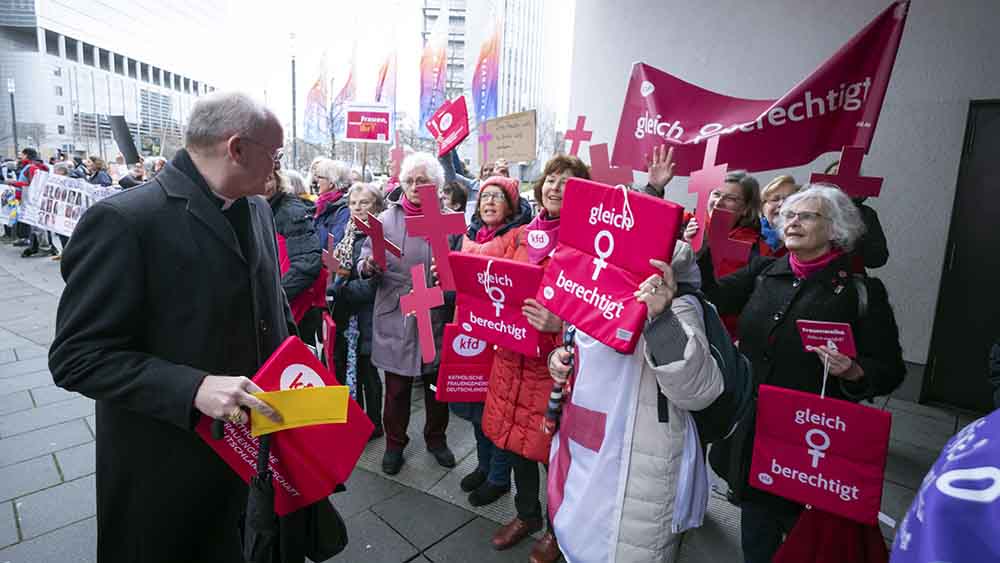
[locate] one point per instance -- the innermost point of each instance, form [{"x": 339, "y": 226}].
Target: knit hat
[{"x": 510, "y": 186}]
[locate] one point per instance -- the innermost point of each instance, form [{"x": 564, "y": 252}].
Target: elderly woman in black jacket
[{"x": 819, "y": 226}]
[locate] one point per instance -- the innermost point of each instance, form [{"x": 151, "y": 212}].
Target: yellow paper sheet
[{"x": 301, "y": 407}]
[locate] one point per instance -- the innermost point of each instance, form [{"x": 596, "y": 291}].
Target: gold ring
[{"x": 236, "y": 416}]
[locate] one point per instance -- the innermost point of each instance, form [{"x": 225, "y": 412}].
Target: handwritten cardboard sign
[
  {"x": 834, "y": 335},
  {"x": 513, "y": 137},
  {"x": 466, "y": 361},
  {"x": 450, "y": 124}
]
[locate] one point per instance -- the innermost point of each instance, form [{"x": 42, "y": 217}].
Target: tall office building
[
  {"x": 521, "y": 56},
  {"x": 455, "y": 79},
  {"x": 72, "y": 67}
]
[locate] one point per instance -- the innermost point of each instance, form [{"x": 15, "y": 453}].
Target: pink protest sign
[
  {"x": 419, "y": 302},
  {"x": 837, "y": 105},
  {"x": 380, "y": 244},
  {"x": 703, "y": 182},
  {"x": 464, "y": 375},
  {"x": 329, "y": 338},
  {"x": 331, "y": 263},
  {"x": 734, "y": 253},
  {"x": 824, "y": 452},
  {"x": 369, "y": 123},
  {"x": 435, "y": 227},
  {"x": 578, "y": 135},
  {"x": 303, "y": 473},
  {"x": 606, "y": 240},
  {"x": 602, "y": 171},
  {"x": 830, "y": 334},
  {"x": 396, "y": 155},
  {"x": 848, "y": 177},
  {"x": 490, "y": 294},
  {"x": 450, "y": 124}
]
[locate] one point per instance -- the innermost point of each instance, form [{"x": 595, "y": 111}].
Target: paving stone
[
  {"x": 28, "y": 477},
  {"x": 371, "y": 539},
  {"x": 8, "y": 526},
  {"x": 30, "y": 351},
  {"x": 896, "y": 405},
  {"x": 896, "y": 500},
  {"x": 718, "y": 539},
  {"x": 907, "y": 464},
  {"x": 7, "y": 355},
  {"x": 407, "y": 514},
  {"x": 77, "y": 461},
  {"x": 13, "y": 402},
  {"x": 24, "y": 381},
  {"x": 40, "y": 417},
  {"x": 25, "y": 366},
  {"x": 364, "y": 489},
  {"x": 92, "y": 425},
  {"x": 927, "y": 432},
  {"x": 43, "y": 441},
  {"x": 472, "y": 543},
  {"x": 76, "y": 543},
  {"x": 56, "y": 507},
  {"x": 51, "y": 394}
]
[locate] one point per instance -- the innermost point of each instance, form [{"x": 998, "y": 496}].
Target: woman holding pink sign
[{"x": 819, "y": 226}]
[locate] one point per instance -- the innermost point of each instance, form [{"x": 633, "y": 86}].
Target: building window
[
  {"x": 57, "y": 71},
  {"x": 59, "y": 91},
  {"x": 61, "y": 129},
  {"x": 60, "y": 110}
]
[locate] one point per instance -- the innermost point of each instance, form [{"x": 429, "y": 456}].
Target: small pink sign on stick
[
  {"x": 419, "y": 302},
  {"x": 331, "y": 263},
  {"x": 577, "y": 136},
  {"x": 702, "y": 182},
  {"x": 830, "y": 334},
  {"x": 380, "y": 244},
  {"x": 602, "y": 171},
  {"x": 435, "y": 227},
  {"x": 723, "y": 247}
]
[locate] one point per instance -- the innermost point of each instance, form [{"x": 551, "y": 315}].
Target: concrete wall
[{"x": 761, "y": 49}]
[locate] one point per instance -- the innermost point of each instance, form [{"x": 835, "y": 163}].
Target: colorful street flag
[
  {"x": 433, "y": 67},
  {"x": 486, "y": 76}
]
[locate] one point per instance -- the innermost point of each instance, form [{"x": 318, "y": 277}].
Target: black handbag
[{"x": 730, "y": 458}]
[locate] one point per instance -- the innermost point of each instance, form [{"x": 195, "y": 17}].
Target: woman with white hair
[
  {"x": 332, "y": 178},
  {"x": 297, "y": 186},
  {"x": 820, "y": 226},
  {"x": 395, "y": 343}
]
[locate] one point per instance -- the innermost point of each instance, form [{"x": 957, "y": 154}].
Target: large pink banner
[{"x": 837, "y": 105}]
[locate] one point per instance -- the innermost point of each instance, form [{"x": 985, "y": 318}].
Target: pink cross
[
  {"x": 848, "y": 177},
  {"x": 723, "y": 247},
  {"x": 702, "y": 182},
  {"x": 419, "y": 302},
  {"x": 601, "y": 169},
  {"x": 397, "y": 154},
  {"x": 331, "y": 263},
  {"x": 484, "y": 139},
  {"x": 586, "y": 428},
  {"x": 380, "y": 244},
  {"x": 435, "y": 227},
  {"x": 578, "y": 135}
]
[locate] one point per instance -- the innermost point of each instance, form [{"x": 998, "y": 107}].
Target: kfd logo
[
  {"x": 468, "y": 346},
  {"x": 300, "y": 376}
]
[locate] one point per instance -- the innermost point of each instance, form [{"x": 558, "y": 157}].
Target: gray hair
[
  {"x": 62, "y": 169},
  {"x": 435, "y": 172},
  {"x": 338, "y": 172},
  {"x": 846, "y": 226},
  {"x": 296, "y": 185},
  {"x": 150, "y": 164},
  {"x": 220, "y": 115},
  {"x": 361, "y": 188}
]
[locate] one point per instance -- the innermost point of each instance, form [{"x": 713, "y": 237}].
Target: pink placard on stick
[
  {"x": 435, "y": 227},
  {"x": 491, "y": 292},
  {"x": 419, "y": 302},
  {"x": 830, "y": 334},
  {"x": 702, "y": 182},
  {"x": 450, "y": 124},
  {"x": 848, "y": 177},
  {"x": 725, "y": 249},
  {"x": 466, "y": 361},
  {"x": 578, "y": 135},
  {"x": 825, "y": 452},
  {"x": 380, "y": 244}
]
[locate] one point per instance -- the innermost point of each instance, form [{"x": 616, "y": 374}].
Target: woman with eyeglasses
[
  {"x": 772, "y": 196},
  {"x": 332, "y": 178},
  {"x": 819, "y": 226}
]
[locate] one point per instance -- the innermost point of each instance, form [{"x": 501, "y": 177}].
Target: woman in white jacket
[{"x": 623, "y": 485}]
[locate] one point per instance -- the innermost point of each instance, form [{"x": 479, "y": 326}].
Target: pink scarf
[
  {"x": 410, "y": 208},
  {"x": 326, "y": 199},
  {"x": 539, "y": 246},
  {"x": 804, "y": 269},
  {"x": 485, "y": 234}
]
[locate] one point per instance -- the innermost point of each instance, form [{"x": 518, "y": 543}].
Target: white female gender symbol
[
  {"x": 601, "y": 261},
  {"x": 497, "y": 296},
  {"x": 816, "y": 450}
]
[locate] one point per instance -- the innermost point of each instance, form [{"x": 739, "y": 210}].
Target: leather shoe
[
  {"x": 487, "y": 493},
  {"x": 473, "y": 481},
  {"x": 443, "y": 456},
  {"x": 512, "y": 533},
  {"x": 546, "y": 550},
  {"x": 392, "y": 462}
]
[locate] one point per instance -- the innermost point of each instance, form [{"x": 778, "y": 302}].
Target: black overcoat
[{"x": 158, "y": 295}]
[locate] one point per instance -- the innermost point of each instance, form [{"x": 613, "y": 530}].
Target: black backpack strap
[{"x": 662, "y": 403}]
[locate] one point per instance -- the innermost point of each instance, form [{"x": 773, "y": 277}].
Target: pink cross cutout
[
  {"x": 586, "y": 428},
  {"x": 577, "y": 136},
  {"x": 331, "y": 263},
  {"x": 419, "y": 302},
  {"x": 380, "y": 244},
  {"x": 723, "y": 247},
  {"x": 848, "y": 177},
  {"x": 601, "y": 169},
  {"x": 435, "y": 227},
  {"x": 484, "y": 140},
  {"x": 702, "y": 182},
  {"x": 397, "y": 154}
]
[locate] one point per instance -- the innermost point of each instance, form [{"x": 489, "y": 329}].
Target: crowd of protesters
[{"x": 813, "y": 249}]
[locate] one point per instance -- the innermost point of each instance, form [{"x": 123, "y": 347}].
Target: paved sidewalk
[{"x": 47, "y": 463}]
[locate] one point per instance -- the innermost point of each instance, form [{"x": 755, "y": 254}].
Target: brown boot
[
  {"x": 546, "y": 550},
  {"x": 510, "y": 534}
]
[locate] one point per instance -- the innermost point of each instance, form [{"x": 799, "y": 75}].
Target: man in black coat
[{"x": 172, "y": 301}]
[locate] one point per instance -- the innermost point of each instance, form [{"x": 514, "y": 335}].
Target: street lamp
[{"x": 13, "y": 114}]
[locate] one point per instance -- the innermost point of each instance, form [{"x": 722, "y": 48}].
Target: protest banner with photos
[
  {"x": 512, "y": 136},
  {"x": 303, "y": 471},
  {"x": 369, "y": 123},
  {"x": 833, "y": 335},
  {"x": 824, "y": 452},
  {"x": 607, "y": 237},
  {"x": 466, "y": 361},
  {"x": 56, "y": 203},
  {"x": 450, "y": 124},
  {"x": 8, "y": 206},
  {"x": 837, "y": 105},
  {"x": 491, "y": 292}
]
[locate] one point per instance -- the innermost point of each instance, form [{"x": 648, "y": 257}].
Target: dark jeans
[
  {"x": 528, "y": 483},
  {"x": 493, "y": 461},
  {"x": 396, "y": 416},
  {"x": 763, "y": 527},
  {"x": 369, "y": 390}
]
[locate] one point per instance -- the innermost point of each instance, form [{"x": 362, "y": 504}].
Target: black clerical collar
[{"x": 182, "y": 160}]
